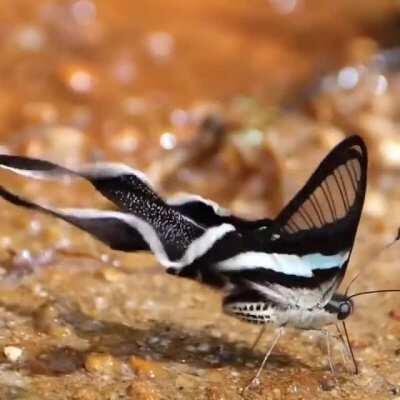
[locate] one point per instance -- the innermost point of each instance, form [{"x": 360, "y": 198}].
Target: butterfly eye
[{"x": 345, "y": 309}]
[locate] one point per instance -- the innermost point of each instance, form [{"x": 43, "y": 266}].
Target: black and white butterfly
[{"x": 284, "y": 271}]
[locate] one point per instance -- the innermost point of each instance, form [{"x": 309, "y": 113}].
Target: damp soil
[{"x": 236, "y": 101}]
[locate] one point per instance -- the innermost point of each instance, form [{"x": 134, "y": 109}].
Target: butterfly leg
[
  {"x": 255, "y": 380},
  {"x": 259, "y": 336},
  {"x": 344, "y": 350},
  {"x": 346, "y": 345},
  {"x": 329, "y": 351}
]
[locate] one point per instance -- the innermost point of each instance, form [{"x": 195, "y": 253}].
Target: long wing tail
[{"x": 148, "y": 222}]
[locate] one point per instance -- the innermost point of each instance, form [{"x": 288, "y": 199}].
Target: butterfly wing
[
  {"x": 208, "y": 213},
  {"x": 320, "y": 223},
  {"x": 324, "y": 215},
  {"x": 128, "y": 188},
  {"x": 302, "y": 257},
  {"x": 110, "y": 227},
  {"x": 146, "y": 223}
]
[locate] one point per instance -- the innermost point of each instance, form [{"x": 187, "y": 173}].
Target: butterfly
[{"x": 285, "y": 271}]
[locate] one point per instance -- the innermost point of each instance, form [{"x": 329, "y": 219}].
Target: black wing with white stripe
[
  {"x": 309, "y": 244},
  {"x": 320, "y": 223},
  {"x": 324, "y": 215},
  {"x": 147, "y": 222},
  {"x": 209, "y": 213},
  {"x": 110, "y": 227}
]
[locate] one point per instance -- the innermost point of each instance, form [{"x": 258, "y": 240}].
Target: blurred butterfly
[{"x": 284, "y": 271}]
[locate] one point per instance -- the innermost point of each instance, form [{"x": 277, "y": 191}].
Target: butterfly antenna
[
  {"x": 355, "y": 277},
  {"x": 350, "y": 349},
  {"x": 374, "y": 292},
  {"x": 377, "y": 255},
  {"x": 371, "y": 260}
]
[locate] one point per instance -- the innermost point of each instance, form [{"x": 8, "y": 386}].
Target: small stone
[
  {"x": 101, "y": 363},
  {"x": 327, "y": 384},
  {"x": 13, "y": 353},
  {"x": 47, "y": 319},
  {"x": 140, "y": 390},
  {"x": 145, "y": 368},
  {"x": 112, "y": 275}
]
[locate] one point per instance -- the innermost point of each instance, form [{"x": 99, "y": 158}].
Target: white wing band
[{"x": 289, "y": 264}]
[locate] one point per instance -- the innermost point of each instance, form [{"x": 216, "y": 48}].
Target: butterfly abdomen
[{"x": 256, "y": 313}]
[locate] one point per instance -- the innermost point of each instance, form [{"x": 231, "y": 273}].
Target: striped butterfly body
[
  {"x": 284, "y": 271},
  {"x": 263, "y": 312}
]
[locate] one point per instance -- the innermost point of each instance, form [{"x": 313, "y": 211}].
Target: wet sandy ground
[{"x": 84, "y": 81}]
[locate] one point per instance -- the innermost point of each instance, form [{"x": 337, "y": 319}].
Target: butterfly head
[{"x": 340, "y": 305}]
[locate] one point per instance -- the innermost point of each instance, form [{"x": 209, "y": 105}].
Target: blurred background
[
  {"x": 252, "y": 92},
  {"x": 237, "y": 101}
]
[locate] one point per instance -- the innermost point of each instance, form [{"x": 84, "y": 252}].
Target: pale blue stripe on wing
[
  {"x": 321, "y": 261},
  {"x": 289, "y": 264}
]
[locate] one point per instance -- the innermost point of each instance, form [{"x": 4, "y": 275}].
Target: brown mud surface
[{"x": 235, "y": 100}]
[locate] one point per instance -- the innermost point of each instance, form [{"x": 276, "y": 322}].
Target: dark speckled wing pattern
[{"x": 177, "y": 231}]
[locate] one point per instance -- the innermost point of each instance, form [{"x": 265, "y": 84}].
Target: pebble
[
  {"x": 47, "y": 319},
  {"x": 140, "y": 390},
  {"x": 327, "y": 384},
  {"x": 146, "y": 368},
  {"x": 13, "y": 353},
  {"x": 101, "y": 363},
  {"x": 112, "y": 275}
]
